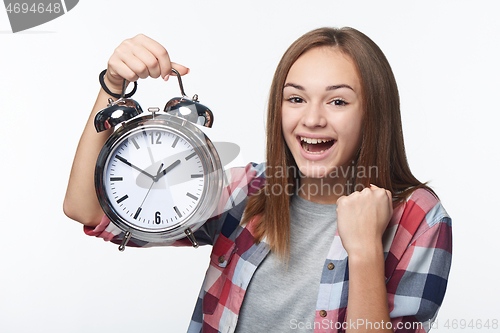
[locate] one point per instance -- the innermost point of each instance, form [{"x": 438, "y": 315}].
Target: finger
[
  {"x": 117, "y": 72},
  {"x": 149, "y": 61},
  {"x": 389, "y": 194},
  {"x": 183, "y": 70},
  {"x": 380, "y": 189},
  {"x": 137, "y": 66},
  {"x": 126, "y": 64},
  {"x": 389, "y": 201},
  {"x": 163, "y": 59},
  {"x": 159, "y": 53},
  {"x": 339, "y": 199}
]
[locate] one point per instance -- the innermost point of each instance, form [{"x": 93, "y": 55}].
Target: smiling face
[{"x": 322, "y": 112}]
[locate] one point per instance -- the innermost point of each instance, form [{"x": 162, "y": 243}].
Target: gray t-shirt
[{"x": 280, "y": 298}]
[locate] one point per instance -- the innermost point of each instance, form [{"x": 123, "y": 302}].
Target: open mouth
[{"x": 316, "y": 146}]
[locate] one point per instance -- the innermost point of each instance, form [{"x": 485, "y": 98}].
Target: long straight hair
[{"x": 381, "y": 147}]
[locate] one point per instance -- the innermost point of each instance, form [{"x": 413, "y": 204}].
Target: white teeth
[
  {"x": 310, "y": 141},
  {"x": 313, "y": 141}
]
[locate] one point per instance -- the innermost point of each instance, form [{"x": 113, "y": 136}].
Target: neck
[{"x": 323, "y": 190}]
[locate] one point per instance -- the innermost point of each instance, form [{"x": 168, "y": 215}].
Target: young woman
[{"x": 333, "y": 232}]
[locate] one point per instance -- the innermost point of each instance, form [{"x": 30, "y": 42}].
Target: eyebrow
[{"x": 296, "y": 86}]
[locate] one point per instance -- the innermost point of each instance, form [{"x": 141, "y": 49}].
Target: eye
[
  {"x": 295, "y": 100},
  {"x": 339, "y": 102}
]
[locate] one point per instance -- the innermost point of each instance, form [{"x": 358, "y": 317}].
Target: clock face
[{"x": 154, "y": 178}]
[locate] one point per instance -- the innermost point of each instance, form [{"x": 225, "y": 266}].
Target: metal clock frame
[{"x": 213, "y": 180}]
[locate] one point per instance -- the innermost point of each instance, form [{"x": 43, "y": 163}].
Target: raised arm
[
  {"x": 362, "y": 218},
  {"x": 138, "y": 57}
]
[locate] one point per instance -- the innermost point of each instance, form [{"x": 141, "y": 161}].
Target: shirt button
[
  {"x": 322, "y": 313},
  {"x": 331, "y": 266},
  {"x": 222, "y": 259}
]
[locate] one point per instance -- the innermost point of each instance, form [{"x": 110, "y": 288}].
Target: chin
[{"x": 310, "y": 170}]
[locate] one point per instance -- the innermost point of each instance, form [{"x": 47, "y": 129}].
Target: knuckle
[
  {"x": 131, "y": 77},
  {"x": 141, "y": 68},
  {"x": 127, "y": 43},
  {"x": 121, "y": 50},
  {"x": 138, "y": 37},
  {"x": 112, "y": 62},
  {"x": 151, "y": 63},
  {"x": 161, "y": 51}
]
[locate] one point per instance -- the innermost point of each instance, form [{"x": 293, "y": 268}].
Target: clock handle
[
  {"x": 189, "y": 109},
  {"x": 181, "y": 86},
  {"x": 124, "y": 88},
  {"x": 191, "y": 237}
]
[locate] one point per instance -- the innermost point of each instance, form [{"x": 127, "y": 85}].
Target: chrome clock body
[{"x": 158, "y": 175}]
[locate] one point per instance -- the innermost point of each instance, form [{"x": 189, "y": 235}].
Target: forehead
[{"x": 324, "y": 66}]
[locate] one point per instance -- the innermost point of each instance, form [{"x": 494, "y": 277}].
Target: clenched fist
[{"x": 362, "y": 218}]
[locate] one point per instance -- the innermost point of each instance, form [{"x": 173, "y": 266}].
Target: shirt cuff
[{"x": 103, "y": 230}]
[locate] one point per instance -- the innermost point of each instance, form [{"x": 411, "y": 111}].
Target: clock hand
[
  {"x": 133, "y": 166},
  {"x": 168, "y": 169},
  {"x": 151, "y": 155},
  {"x": 150, "y": 187}
]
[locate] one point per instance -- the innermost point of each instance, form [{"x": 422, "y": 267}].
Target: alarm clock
[{"x": 158, "y": 177}]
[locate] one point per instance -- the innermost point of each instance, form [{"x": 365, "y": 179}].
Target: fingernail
[{"x": 166, "y": 77}]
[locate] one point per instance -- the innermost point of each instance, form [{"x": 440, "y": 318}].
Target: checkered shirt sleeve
[{"x": 417, "y": 248}]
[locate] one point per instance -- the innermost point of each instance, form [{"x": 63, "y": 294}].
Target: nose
[{"x": 314, "y": 116}]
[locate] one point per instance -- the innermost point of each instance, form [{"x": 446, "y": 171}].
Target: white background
[{"x": 53, "y": 278}]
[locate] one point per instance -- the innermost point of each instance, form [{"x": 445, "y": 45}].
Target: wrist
[
  {"x": 114, "y": 87},
  {"x": 366, "y": 252}
]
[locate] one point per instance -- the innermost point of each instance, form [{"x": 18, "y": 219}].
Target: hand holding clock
[
  {"x": 139, "y": 57},
  {"x": 134, "y": 58}
]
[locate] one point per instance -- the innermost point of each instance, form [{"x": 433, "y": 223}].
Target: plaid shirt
[{"x": 417, "y": 248}]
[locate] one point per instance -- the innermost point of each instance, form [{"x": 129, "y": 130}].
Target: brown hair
[{"x": 382, "y": 139}]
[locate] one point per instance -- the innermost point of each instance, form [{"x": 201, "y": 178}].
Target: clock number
[
  {"x": 158, "y": 137},
  {"x": 158, "y": 218}
]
